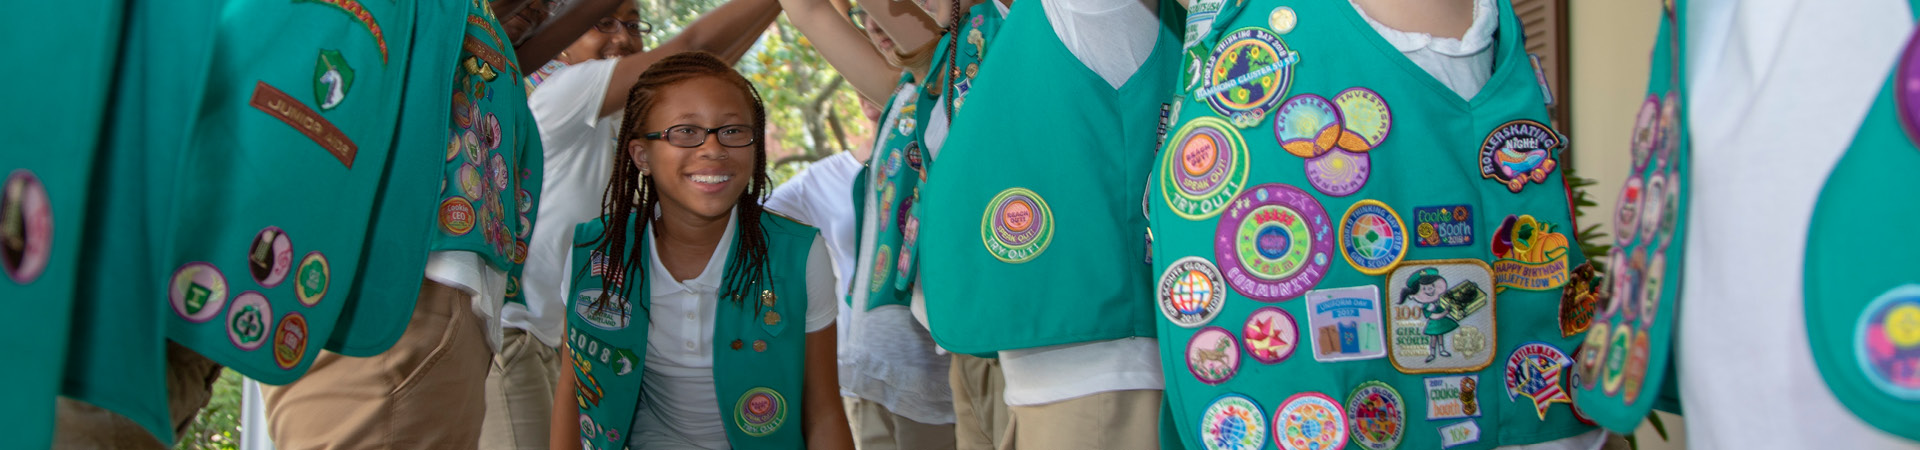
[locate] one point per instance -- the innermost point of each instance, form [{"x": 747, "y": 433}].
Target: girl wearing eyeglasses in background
[{"x": 742, "y": 352}]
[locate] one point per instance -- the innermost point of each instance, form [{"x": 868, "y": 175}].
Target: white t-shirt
[
  {"x": 1778, "y": 89},
  {"x": 891, "y": 359},
  {"x": 822, "y": 196},
  {"x": 579, "y": 161},
  {"x": 1463, "y": 65},
  {"x": 678, "y": 407}
]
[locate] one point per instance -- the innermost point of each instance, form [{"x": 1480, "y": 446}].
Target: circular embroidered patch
[
  {"x": 1270, "y": 335},
  {"x": 1533, "y": 371},
  {"x": 760, "y": 411},
  {"x": 1307, "y": 126},
  {"x": 1636, "y": 370},
  {"x": 894, "y": 160},
  {"x": 470, "y": 146},
  {"x": 1635, "y": 273},
  {"x": 1017, "y": 225},
  {"x": 1653, "y": 199},
  {"x": 1282, "y": 20},
  {"x": 1593, "y": 355},
  {"x": 488, "y": 128},
  {"x": 1646, "y": 131},
  {"x": 523, "y": 202},
  {"x": 882, "y": 259},
  {"x": 1191, "y": 292},
  {"x": 1213, "y": 355},
  {"x": 1310, "y": 421},
  {"x": 1670, "y": 212},
  {"x": 1339, "y": 172},
  {"x": 1887, "y": 342},
  {"x": 453, "y": 150},
  {"x": 249, "y": 320},
  {"x": 290, "y": 340},
  {"x": 26, "y": 227},
  {"x": 462, "y": 110},
  {"x": 1519, "y": 152},
  {"x": 497, "y": 172},
  {"x": 270, "y": 257},
  {"x": 1247, "y": 73},
  {"x": 1626, "y": 213},
  {"x": 1376, "y": 415},
  {"x": 1274, "y": 242},
  {"x": 197, "y": 291},
  {"x": 1622, "y": 336},
  {"x": 913, "y": 155},
  {"x": 1204, "y": 166},
  {"x": 1650, "y": 286},
  {"x": 1669, "y": 131},
  {"x": 456, "y": 216},
  {"x": 311, "y": 280},
  {"x": 1365, "y": 117},
  {"x": 1233, "y": 422},
  {"x": 1372, "y": 237},
  {"x": 468, "y": 175}
]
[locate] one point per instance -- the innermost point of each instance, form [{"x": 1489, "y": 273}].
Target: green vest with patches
[
  {"x": 1863, "y": 309},
  {"x": 1347, "y": 253},
  {"x": 1039, "y": 250},
  {"x": 894, "y": 175},
  {"x": 759, "y": 342}
]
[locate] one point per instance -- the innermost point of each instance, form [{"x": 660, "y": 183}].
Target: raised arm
[
  {"x": 726, "y": 32},
  {"x": 844, "y": 46},
  {"x": 552, "y": 35}
]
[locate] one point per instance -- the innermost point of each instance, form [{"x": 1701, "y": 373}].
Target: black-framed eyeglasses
[
  {"x": 612, "y": 25},
  {"x": 690, "y": 136}
]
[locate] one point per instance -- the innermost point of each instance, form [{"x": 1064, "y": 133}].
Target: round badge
[
  {"x": 456, "y": 216},
  {"x": 1653, "y": 197},
  {"x": 1669, "y": 131},
  {"x": 1339, "y": 172},
  {"x": 1626, "y": 214},
  {"x": 913, "y": 155},
  {"x": 1636, "y": 371},
  {"x": 1307, "y": 126},
  {"x": 760, "y": 411},
  {"x": 1593, "y": 355},
  {"x": 1274, "y": 242},
  {"x": 1650, "y": 286},
  {"x": 453, "y": 150},
  {"x": 270, "y": 257},
  {"x": 1282, "y": 20},
  {"x": 290, "y": 341},
  {"x": 1365, "y": 118},
  {"x": 1670, "y": 212},
  {"x": 1205, "y": 165},
  {"x": 1616, "y": 363},
  {"x": 1270, "y": 335},
  {"x": 1310, "y": 421},
  {"x": 1518, "y": 153},
  {"x": 523, "y": 202},
  {"x": 1887, "y": 342},
  {"x": 1619, "y": 278},
  {"x": 1376, "y": 416},
  {"x": 1213, "y": 355},
  {"x": 1233, "y": 422},
  {"x": 1191, "y": 292},
  {"x": 26, "y": 227},
  {"x": 311, "y": 279},
  {"x": 470, "y": 180},
  {"x": 497, "y": 171},
  {"x": 488, "y": 129},
  {"x": 249, "y": 320},
  {"x": 1646, "y": 131},
  {"x": 1372, "y": 237},
  {"x": 462, "y": 110},
  {"x": 1246, "y": 75},
  {"x": 470, "y": 144},
  {"x": 882, "y": 262},
  {"x": 1634, "y": 274},
  {"x": 197, "y": 291},
  {"x": 1907, "y": 77},
  {"x": 1017, "y": 225}
]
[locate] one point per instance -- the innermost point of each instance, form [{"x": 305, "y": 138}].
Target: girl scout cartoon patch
[
  {"x": 1191, "y": 292},
  {"x": 26, "y": 227},
  {"x": 1247, "y": 74},
  {"x": 1345, "y": 323},
  {"x": 1233, "y": 422},
  {"x": 1442, "y": 316},
  {"x": 1310, "y": 421},
  {"x": 1372, "y": 237},
  {"x": 1887, "y": 342},
  {"x": 1376, "y": 416},
  {"x": 1274, "y": 242},
  {"x": 1531, "y": 255},
  {"x": 1518, "y": 152},
  {"x": 1213, "y": 355},
  {"x": 1204, "y": 167},
  {"x": 1533, "y": 371},
  {"x": 760, "y": 411},
  {"x": 1270, "y": 334},
  {"x": 1017, "y": 225}
]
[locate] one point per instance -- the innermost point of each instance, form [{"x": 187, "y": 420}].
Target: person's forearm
[
  {"x": 731, "y": 29},
  {"x": 564, "y": 433},
  {"x": 824, "y": 420},
  {"x": 559, "y": 31},
  {"x": 844, "y": 46}
]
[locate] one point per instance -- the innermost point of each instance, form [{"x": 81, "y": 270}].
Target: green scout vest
[
  {"x": 1625, "y": 366},
  {"x": 1348, "y": 252},
  {"x": 1863, "y": 314},
  {"x": 480, "y": 202},
  {"x": 759, "y": 354},
  {"x": 894, "y": 175},
  {"x": 1036, "y": 251},
  {"x": 44, "y": 183}
]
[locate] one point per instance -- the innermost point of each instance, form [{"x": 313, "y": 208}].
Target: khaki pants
[
  {"x": 190, "y": 377},
  {"x": 1117, "y": 420},
  {"x": 879, "y": 429},
  {"x": 520, "y": 394},
  {"x": 428, "y": 391},
  {"x": 979, "y": 402}
]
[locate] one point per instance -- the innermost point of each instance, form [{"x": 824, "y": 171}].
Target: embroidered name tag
[{"x": 284, "y": 107}]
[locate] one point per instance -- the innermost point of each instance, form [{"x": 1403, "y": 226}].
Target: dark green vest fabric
[
  {"x": 1350, "y": 254},
  {"x": 894, "y": 175},
  {"x": 1625, "y": 367},
  {"x": 54, "y": 123},
  {"x": 1034, "y": 251},
  {"x": 1863, "y": 314},
  {"x": 759, "y": 342}
]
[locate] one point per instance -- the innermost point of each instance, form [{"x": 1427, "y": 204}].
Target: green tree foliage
[{"x": 218, "y": 426}]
